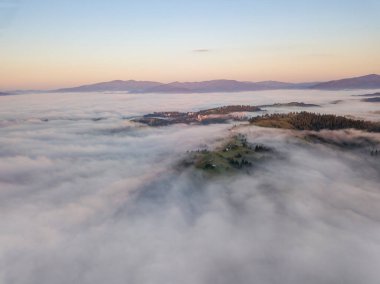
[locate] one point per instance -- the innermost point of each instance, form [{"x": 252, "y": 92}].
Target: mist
[{"x": 87, "y": 196}]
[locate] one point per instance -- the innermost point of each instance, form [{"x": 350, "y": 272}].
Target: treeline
[
  {"x": 166, "y": 114},
  {"x": 314, "y": 121},
  {"x": 218, "y": 110},
  {"x": 229, "y": 109}
]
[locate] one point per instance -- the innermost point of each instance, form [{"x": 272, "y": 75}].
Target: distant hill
[
  {"x": 5, "y": 94},
  {"x": 180, "y": 87},
  {"x": 372, "y": 100},
  {"x": 369, "y": 95},
  {"x": 291, "y": 104},
  {"x": 218, "y": 86},
  {"x": 166, "y": 88},
  {"x": 312, "y": 121},
  {"x": 215, "y": 86},
  {"x": 365, "y": 82},
  {"x": 116, "y": 86}
]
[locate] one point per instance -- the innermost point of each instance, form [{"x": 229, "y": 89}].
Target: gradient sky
[{"x": 55, "y": 43}]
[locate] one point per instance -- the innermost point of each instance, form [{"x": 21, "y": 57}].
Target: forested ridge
[{"x": 313, "y": 121}]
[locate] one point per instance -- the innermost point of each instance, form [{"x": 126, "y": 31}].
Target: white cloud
[{"x": 81, "y": 203}]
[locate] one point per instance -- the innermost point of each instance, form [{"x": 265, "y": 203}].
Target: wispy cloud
[{"x": 202, "y": 50}]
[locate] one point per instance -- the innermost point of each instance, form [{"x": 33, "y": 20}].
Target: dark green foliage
[
  {"x": 236, "y": 155},
  {"x": 313, "y": 121},
  {"x": 291, "y": 104},
  {"x": 229, "y": 109}
]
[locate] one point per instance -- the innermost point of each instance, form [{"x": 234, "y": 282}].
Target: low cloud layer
[{"x": 100, "y": 201}]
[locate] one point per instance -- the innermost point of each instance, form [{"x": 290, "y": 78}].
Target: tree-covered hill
[{"x": 313, "y": 121}]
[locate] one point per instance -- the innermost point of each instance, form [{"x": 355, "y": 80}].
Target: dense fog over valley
[{"x": 89, "y": 196}]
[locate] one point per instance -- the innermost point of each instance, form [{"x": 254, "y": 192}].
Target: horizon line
[{"x": 185, "y": 81}]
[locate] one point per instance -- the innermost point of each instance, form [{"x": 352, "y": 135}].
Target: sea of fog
[{"x": 87, "y": 196}]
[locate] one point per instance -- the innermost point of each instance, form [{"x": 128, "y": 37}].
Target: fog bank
[{"x": 86, "y": 196}]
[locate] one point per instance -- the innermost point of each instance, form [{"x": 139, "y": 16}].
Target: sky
[{"x": 49, "y": 43}]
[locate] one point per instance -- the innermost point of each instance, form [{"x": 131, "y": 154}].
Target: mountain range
[
  {"x": 185, "y": 87},
  {"x": 364, "y": 82},
  {"x": 116, "y": 86},
  {"x": 371, "y": 81}
]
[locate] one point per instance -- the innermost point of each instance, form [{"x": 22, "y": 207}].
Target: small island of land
[
  {"x": 208, "y": 116},
  {"x": 371, "y": 100},
  {"x": 370, "y": 95},
  {"x": 235, "y": 155},
  {"x": 291, "y": 104}
]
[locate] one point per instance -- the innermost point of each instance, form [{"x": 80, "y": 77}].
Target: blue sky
[{"x": 46, "y": 43}]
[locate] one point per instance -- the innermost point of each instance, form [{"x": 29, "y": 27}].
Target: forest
[{"x": 313, "y": 121}]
